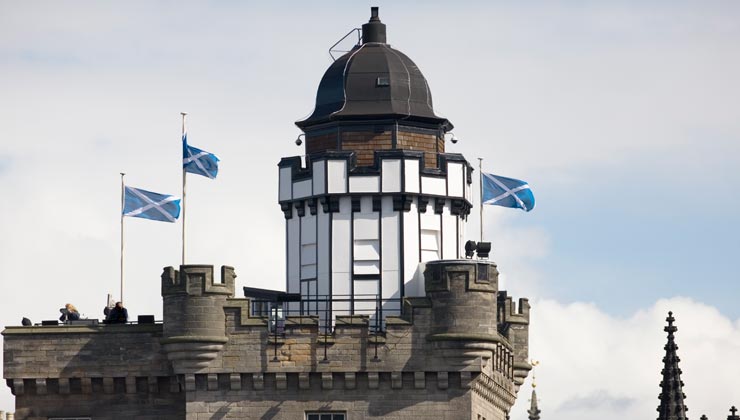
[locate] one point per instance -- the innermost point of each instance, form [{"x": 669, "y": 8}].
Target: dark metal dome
[{"x": 373, "y": 81}]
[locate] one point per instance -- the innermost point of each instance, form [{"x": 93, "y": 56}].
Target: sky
[{"x": 624, "y": 117}]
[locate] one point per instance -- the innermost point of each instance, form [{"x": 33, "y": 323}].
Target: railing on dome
[
  {"x": 359, "y": 40},
  {"x": 325, "y": 308}
]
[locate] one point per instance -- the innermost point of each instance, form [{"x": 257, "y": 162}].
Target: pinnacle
[{"x": 672, "y": 397}]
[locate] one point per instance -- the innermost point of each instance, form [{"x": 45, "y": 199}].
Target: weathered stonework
[{"x": 456, "y": 353}]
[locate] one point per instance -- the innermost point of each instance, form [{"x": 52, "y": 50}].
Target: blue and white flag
[
  {"x": 197, "y": 161},
  {"x": 507, "y": 192},
  {"x": 150, "y": 205}
]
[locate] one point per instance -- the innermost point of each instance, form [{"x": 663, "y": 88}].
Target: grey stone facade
[{"x": 457, "y": 353}]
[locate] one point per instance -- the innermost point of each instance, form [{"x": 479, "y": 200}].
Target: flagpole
[
  {"x": 123, "y": 206},
  {"x": 480, "y": 187},
  {"x": 183, "y": 191}
]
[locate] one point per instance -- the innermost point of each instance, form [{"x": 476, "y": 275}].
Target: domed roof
[{"x": 373, "y": 81}]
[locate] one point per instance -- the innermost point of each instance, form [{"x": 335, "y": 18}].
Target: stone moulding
[
  {"x": 94, "y": 385},
  {"x": 465, "y": 337},
  {"x": 259, "y": 381},
  {"x": 84, "y": 329},
  {"x": 495, "y": 390}
]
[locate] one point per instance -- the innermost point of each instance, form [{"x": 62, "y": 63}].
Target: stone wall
[
  {"x": 427, "y": 364},
  {"x": 113, "y": 371},
  {"x": 361, "y": 396}
]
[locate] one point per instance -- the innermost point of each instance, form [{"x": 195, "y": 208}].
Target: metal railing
[{"x": 325, "y": 308}]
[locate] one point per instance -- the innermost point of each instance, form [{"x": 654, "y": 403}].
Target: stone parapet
[
  {"x": 464, "y": 335},
  {"x": 83, "y": 351}
]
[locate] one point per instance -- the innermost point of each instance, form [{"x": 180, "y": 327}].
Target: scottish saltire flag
[
  {"x": 150, "y": 205},
  {"x": 197, "y": 161},
  {"x": 506, "y": 192}
]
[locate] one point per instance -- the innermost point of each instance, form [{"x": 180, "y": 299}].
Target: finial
[
  {"x": 374, "y": 29},
  {"x": 703, "y": 417},
  {"x": 374, "y": 14},
  {"x": 534, "y": 364},
  {"x": 733, "y": 412},
  {"x": 670, "y": 329}
]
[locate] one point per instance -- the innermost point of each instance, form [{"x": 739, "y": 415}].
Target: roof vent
[{"x": 374, "y": 29}]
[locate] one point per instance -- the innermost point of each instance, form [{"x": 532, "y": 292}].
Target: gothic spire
[
  {"x": 534, "y": 411},
  {"x": 733, "y": 414},
  {"x": 671, "y": 396}
]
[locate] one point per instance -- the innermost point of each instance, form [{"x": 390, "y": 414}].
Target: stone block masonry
[{"x": 459, "y": 352}]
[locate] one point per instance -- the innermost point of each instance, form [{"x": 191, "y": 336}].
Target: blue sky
[{"x": 623, "y": 116}]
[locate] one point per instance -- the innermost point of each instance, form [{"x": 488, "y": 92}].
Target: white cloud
[{"x": 594, "y": 365}]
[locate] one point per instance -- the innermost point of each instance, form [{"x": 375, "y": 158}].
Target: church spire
[
  {"x": 534, "y": 411},
  {"x": 671, "y": 396}
]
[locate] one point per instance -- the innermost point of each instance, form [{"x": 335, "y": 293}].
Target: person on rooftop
[
  {"x": 117, "y": 315},
  {"x": 69, "y": 313}
]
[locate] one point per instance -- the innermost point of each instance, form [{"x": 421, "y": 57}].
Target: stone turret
[
  {"x": 464, "y": 296},
  {"x": 194, "y": 321},
  {"x": 513, "y": 324}
]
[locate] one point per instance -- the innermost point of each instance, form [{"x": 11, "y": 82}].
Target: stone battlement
[{"x": 464, "y": 336}]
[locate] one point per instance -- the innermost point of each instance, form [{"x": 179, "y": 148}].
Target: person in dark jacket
[
  {"x": 69, "y": 313},
  {"x": 117, "y": 315}
]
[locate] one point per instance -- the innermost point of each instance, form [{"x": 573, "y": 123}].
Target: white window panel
[
  {"x": 427, "y": 255},
  {"x": 391, "y": 237},
  {"x": 337, "y": 176},
  {"x": 364, "y": 184},
  {"x": 319, "y": 177},
  {"x": 308, "y": 229},
  {"x": 341, "y": 240},
  {"x": 410, "y": 242},
  {"x": 366, "y": 297},
  {"x": 308, "y": 254},
  {"x": 430, "y": 220},
  {"x": 412, "y": 175},
  {"x": 430, "y": 240},
  {"x": 286, "y": 183},
  {"x": 391, "y": 175},
  {"x": 302, "y": 189},
  {"x": 367, "y": 267},
  {"x": 366, "y": 226},
  {"x": 308, "y": 271},
  {"x": 455, "y": 179},
  {"x": 391, "y": 285},
  {"x": 449, "y": 230},
  {"x": 293, "y": 253},
  {"x": 367, "y": 288},
  {"x": 324, "y": 247},
  {"x": 433, "y": 185},
  {"x": 368, "y": 249}
]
